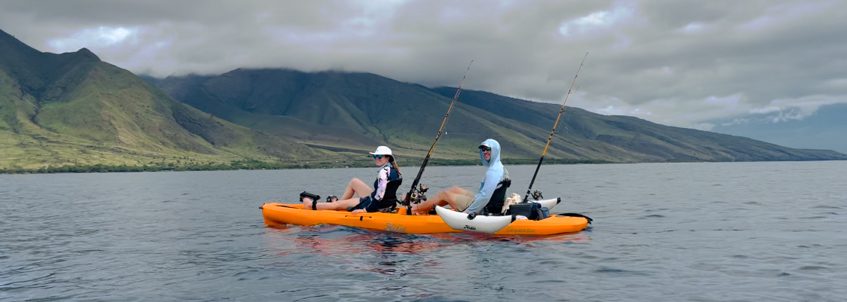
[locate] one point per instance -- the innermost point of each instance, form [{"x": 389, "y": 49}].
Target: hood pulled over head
[{"x": 495, "y": 152}]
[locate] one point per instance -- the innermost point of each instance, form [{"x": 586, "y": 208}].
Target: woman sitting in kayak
[
  {"x": 358, "y": 196},
  {"x": 496, "y": 177}
]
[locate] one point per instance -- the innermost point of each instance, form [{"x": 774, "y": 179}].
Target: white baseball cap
[{"x": 382, "y": 150}]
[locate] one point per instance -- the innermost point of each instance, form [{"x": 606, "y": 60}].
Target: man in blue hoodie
[{"x": 463, "y": 200}]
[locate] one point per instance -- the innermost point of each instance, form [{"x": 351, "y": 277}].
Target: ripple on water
[
  {"x": 831, "y": 207},
  {"x": 813, "y": 268},
  {"x": 619, "y": 272}
]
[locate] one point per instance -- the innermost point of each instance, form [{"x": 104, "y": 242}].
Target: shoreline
[{"x": 258, "y": 165}]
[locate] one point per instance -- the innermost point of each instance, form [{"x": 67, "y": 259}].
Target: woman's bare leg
[
  {"x": 341, "y": 205},
  {"x": 356, "y": 188}
]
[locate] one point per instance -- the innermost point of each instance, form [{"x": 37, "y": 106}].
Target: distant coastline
[{"x": 259, "y": 165}]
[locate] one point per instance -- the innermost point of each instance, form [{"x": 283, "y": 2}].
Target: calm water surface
[{"x": 662, "y": 232}]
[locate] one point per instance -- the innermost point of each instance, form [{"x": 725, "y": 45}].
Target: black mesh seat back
[{"x": 495, "y": 204}]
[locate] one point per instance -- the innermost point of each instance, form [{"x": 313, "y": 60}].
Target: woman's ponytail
[{"x": 394, "y": 164}]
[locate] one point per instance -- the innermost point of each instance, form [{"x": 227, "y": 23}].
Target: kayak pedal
[{"x": 313, "y": 197}]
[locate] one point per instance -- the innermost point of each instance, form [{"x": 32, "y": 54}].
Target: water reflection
[
  {"x": 396, "y": 254},
  {"x": 336, "y": 240}
]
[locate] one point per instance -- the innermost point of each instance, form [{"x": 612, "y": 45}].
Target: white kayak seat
[{"x": 480, "y": 223}]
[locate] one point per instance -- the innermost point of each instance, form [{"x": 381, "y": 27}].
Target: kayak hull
[{"x": 282, "y": 214}]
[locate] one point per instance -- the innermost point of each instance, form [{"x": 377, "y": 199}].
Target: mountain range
[
  {"x": 824, "y": 128},
  {"x": 354, "y": 111},
  {"x": 60, "y": 111}
]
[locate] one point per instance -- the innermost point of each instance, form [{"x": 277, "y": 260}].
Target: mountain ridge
[
  {"x": 521, "y": 125},
  {"x": 72, "y": 109},
  {"x": 74, "y": 112}
]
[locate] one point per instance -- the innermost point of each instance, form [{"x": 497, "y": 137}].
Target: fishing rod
[
  {"x": 408, "y": 199},
  {"x": 553, "y": 131}
]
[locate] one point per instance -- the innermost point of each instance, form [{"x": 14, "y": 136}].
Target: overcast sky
[{"x": 682, "y": 63}]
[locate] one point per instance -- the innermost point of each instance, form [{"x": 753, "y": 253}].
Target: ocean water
[{"x": 765, "y": 231}]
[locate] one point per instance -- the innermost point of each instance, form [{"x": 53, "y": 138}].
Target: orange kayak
[{"x": 281, "y": 214}]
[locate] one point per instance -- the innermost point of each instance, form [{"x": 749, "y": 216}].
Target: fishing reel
[
  {"x": 418, "y": 194},
  {"x": 537, "y": 195}
]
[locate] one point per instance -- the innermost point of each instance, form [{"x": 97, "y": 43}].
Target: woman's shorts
[{"x": 371, "y": 205}]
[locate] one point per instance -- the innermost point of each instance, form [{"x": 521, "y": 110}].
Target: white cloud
[
  {"x": 683, "y": 63},
  {"x": 694, "y": 27},
  {"x": 798, "y": 108},
  {"x": 101, "y": 36},
  {"x": 596, "y": 20}
]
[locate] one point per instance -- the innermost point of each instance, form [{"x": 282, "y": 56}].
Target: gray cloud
[{"x": 676, "y": 62}]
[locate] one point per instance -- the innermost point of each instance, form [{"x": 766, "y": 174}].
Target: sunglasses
[
  {"x": 485, "y": 148},
  {"x": 377, "y": 156}
]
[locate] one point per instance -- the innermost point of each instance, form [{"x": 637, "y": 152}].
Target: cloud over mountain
[{"x": 683, "y": 63}]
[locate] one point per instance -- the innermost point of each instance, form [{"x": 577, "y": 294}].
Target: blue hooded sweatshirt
[{"x": 494, "y": 173}]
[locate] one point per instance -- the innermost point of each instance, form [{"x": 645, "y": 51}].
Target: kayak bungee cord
[
  {"x": 553, "y": 131},
  {"x": 413, "y": 195}
]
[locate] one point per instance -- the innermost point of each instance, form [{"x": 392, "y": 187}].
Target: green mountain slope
[
  {"x": 344, "y": 111},
  {"x": 355, "y": 111},
  {"x": 622, "y": 138},
  {"x": 74, "y": 110}
]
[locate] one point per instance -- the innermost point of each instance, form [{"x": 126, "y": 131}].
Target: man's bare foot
[{"x": 417, "y": 210}]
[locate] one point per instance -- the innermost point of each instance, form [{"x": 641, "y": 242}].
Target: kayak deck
[{"x": 281, "y": 214}]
